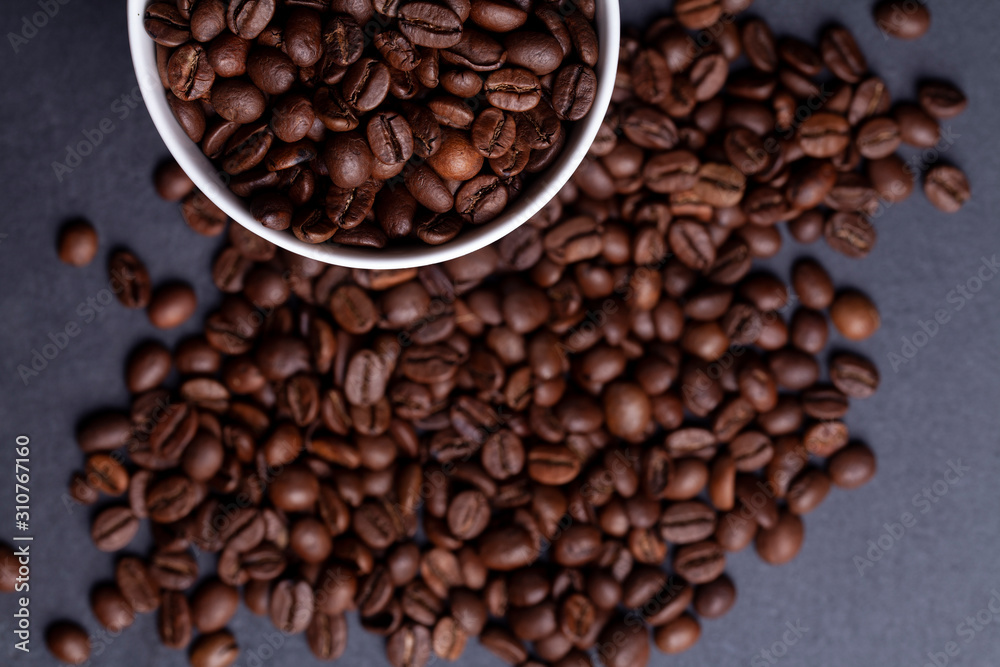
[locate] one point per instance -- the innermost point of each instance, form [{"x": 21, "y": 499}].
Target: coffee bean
[
  {"x": 852, "y": 466},
  {"x": 291, "y": 606},
  {"x": 842, "y": 55},
  {"x": 941, "y": 99},
  {"x": 824, "y": 135},
  {"x": 110, "y": 608},
  {"x": 114, "y": 528},
  {"x": 854, "y": 315},
  {"x": 68, "y": 642},
  {"x": 678, "y": 635},
  {"x": 327, "y": 635},
  {"x": 902, "y": 20},
  {"x": 512, "y": 89},
  {"x": 573, "y": 92},
  {"x": 129, "y": 279},
  {"x": 780, "y": 544},
  {"x": 165, "y": 24},
  {"x": 855, "y": 376},
  {"x": 409, "y": 646},
  {"x": 916, "y": 126},
  {"x": 218, "y": 649},
  {"x": 850, "y": 234},
  {"x": 77, "y": 243},
  {"x": 947, "y": 188}
]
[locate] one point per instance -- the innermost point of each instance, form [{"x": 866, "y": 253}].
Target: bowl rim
[{"x": 542, "y": 190}]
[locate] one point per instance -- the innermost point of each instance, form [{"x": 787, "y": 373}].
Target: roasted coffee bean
[
  {"x": 678, "y": 635},
  {"x": 77, "y": 243},
  {"x": 409, "y": 646},
  {"x": 237, "y": 100},
  {"x": 824, "y": 135},
  {"x": 129, "y": 279},
  {"x": 291, "y": 606},
  {"x": 218, "y": 649},
  {"x": 165, "y": 24},
  {"x": 854, "y": 315},
  {"x": 512, "y": 89},
  {"x": 855, "y": 376},
  {"x": 114, "y": 528},
  {"x": 110, "y": 608},
  {"x": 852, "y": 466},
  {"x": 327, "y": 635},
  {"x": 213, "y": 606},
  {"x": 573, "y": 92},
  {"x": 842, "y": 55},
  {"x": 68, "y": 642},
  {"x": 248, "y": 18},
  {"x": 947, "y": 188},
  {"x": 850, "y": 234},
  {"x": 941, "y": 99},
  {"x": 902, "y": 20},
  {"x": 137, "y": 585},
  {"x": 878, "y": 138},
  {"x": 781, "y": 543}
]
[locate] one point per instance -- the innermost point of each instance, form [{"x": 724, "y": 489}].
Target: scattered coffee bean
[
  {"x": 901, "y": 19},
  {"x": 68, "y": 642},
  {"x": 77, "y": 243},
  {"x": 947, "y": 188}
]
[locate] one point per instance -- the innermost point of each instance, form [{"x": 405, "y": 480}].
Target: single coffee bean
[
  {"x": 130, "y": 279},
  {"x": 947, "y": 188},
  {"x": 850, "y": 234},
  {"x": 854, "y": 315},
  {"x": 237, "y": 100},
  {"x": 512, "y": 89},
  {"x": 902, "y": 20},
  {"x": 68, "y": 642},
  {"x": 716, "y": 598},
  {"x": 409, "y": 646},
  {"x": 136, "y": 585},
  {"x": 174, "y": 621},
  {"x": 824, "y": 135},
  {"x": 700, "y": 562},
  {"x": 916, "y": 126},
  {"x": 114, "y": 528},
  {"x": 852, "y": 466},
  {"x": 427, "y": 24},
  {"x": 248, "y": 18},
  {"x": 678, "y": 635},
  {"x": 854, "y": 375},
  {"x": 218, "y": 649},
  {"x": 110, "y": 608},
  {"x": 327, "y": 635},
  {"x": 77, "y": 243},
  {"x": 842, "y": 55},
  {"x": 165, "y": 24},
  {"x": 171, "y": 305},
  {"x": 781, "y": 543},
  {"x": 573, "y": 92},
  {"x": 941, "y": 99}
]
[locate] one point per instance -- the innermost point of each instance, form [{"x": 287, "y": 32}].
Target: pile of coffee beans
[
  {"x": 370, "y": 123},
  {"x": 553, "y": 444}
]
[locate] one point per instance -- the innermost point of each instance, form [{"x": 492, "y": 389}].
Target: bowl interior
[{"x": 541, "y": 188}]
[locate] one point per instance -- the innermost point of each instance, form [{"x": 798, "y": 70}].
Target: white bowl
[{"x": 541, "y": 187}]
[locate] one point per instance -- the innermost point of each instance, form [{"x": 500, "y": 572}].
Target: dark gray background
[{"x": 940, "y": 407}]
